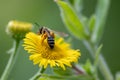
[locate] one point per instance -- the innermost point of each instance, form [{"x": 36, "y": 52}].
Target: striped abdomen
[{"x": 50, "y": 41}]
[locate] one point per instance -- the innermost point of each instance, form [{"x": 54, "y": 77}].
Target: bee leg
[{"x": 43, "y": 36}]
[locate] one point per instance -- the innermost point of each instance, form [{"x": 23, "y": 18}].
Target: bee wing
[{"x": 62, "y": 34}]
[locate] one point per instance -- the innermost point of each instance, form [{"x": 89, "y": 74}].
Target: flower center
[{"x": 53, "y": 54}]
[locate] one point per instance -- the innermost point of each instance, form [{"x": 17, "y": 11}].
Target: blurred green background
[{"x": 46, "y": 13}]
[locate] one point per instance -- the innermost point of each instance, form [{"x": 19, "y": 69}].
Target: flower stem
[
  {"x": 79, "y": 71},
  {"x": 38, "y": 74},
  {"x": 104, "y": 69},
  {"x": 11, "y": 61}
]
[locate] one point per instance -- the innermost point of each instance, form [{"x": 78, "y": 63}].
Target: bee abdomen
[{"x": 51, "y": 42}]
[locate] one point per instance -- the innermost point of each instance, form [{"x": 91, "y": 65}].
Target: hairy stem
[
  {"x": 11, "y": 61},
  {"x": 104, "y": 69},
  {"x": 38, "y": 74}
]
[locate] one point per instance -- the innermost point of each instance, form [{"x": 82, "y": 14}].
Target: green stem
[
  {"x": 38, "y": 74},
  {"x": 102, "y": 63},
  {"x": 11, "y": 61}
]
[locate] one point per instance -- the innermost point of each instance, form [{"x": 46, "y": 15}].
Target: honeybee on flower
[{"x": 46, "y": 50}]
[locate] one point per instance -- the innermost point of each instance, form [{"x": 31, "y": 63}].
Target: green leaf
[
  {"x": 68, "y": 74},
  {"x": 43, "y": 78},
  {"x": 91, "y": 23},
  {"x": 72, "y": 77},
  {"x": 71, "y": 20},
  {"x": 90, "y": 70},
  {"x": 117, "y": 76},
  {"x": 62, "y": 72},
  {"x": 96, "y": 61},
  {"x": 97, "y": 55},
  {"x": 50, "y": 78},
  {"x": 80, "y": 77},
  {"x": 101, "y": 14},
  {"x": 88, "y": 67}
]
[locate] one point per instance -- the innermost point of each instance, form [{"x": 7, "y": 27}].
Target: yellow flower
[{"x": 40, "y": 52}]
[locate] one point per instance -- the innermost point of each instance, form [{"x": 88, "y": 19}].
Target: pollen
[{"x": 40, "y": 52}]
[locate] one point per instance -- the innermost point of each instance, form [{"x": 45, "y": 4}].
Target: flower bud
[{"x": 18, "y": 29}]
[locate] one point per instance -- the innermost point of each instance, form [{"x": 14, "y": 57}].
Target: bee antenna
[{"x": 36, "y": 24}]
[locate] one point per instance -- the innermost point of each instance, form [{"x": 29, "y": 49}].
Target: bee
[{"x": 49, "y": 34}]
